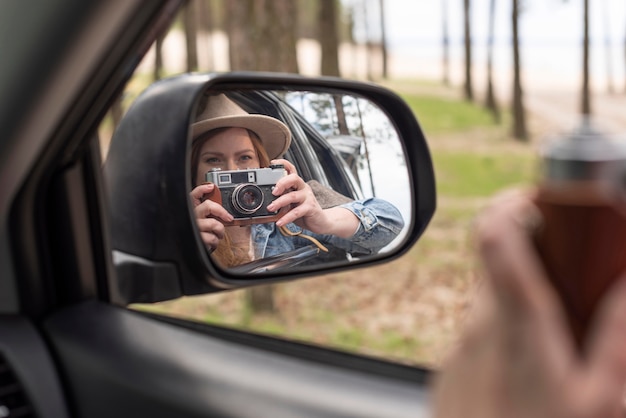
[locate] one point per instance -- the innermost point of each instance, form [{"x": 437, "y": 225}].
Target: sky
[{"x": 551, "y": 33}]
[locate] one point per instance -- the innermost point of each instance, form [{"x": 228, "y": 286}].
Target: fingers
[
  {"x": 290, "y": 168},
  {"x": 302, "y": 203},
  {"x": 292, "y": 181},
  {"x": 209, "y": 216},
  {"x": 296, "y": 212},
  {"x": 211, "y": 231},
  {"x": 210, "y": 209},
  {"x": 289, "y": 183},
  {"x": 607, "y": 349},
  {"x": 198, "y": 193},
  {"x": 504, "y": 235},
  {"x": 520, "y": 286},
  {"x": 293, "y": 193}
]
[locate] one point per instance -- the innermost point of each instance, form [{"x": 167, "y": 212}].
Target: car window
[{"x": 364, "y": 311}]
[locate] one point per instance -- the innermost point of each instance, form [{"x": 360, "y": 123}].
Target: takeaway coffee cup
[{"x": 582, "y": 237}]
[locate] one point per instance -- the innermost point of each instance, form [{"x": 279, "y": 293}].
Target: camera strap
[{"x": 287, "y": 232}]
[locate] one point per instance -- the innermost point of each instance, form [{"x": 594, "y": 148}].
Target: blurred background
[{"x": 488, "y": 81}]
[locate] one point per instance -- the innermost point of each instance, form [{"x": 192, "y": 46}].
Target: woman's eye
[
  {"x": 246, "y": 157},
  {"x": 212, "y": 160}
]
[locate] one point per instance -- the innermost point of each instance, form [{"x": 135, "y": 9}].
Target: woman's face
[{"x": 230, "y": 149}]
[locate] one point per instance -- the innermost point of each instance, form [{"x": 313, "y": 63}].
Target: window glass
[{"x": 405, "y": 311}]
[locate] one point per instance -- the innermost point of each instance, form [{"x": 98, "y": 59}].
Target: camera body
[{"x": 245, "y": 194}]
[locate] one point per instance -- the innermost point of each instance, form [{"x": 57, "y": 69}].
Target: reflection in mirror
[{"x": 296, "y": 179}]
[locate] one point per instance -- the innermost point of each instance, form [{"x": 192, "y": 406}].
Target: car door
[{"x": 66, "y": 349}]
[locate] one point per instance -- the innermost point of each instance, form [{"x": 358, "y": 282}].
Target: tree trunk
[
  {"x": 446, "y": 44},
  {"x": 241, "y": 34},
  {"x": 354, "y": 47},
  {"x": 468, "y": 88},
  {"x": 586, "y": 96},
  {"x": 191, "y": 31},
  {"x": 342, "y": 125},
  {"x": 329, "y": 37},
  {"x": 368, "y": 41},
  {"x": 490, "y": 101},
  {"x": 519, "y": 117},
  {"x": 117, "y": 111},
  {"x": 205, "y": 25},
  {"x": 383, "y": 39},
  {"x": 261, "y": 299},
  {"x": 277, "y": 37},
  {"x": 610, "y": 88},
  {"x": 262, "y": 37},
  {"x": 158, "y": 56}
]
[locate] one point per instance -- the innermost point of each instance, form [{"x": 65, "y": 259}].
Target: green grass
[
  {"x": 467, "y": 174},
  {"x": 464, "y": 172},
  {"x": 342, "y": 337},
  {"x": 439, "y": 115}
]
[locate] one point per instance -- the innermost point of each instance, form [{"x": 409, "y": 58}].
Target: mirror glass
[{"x": 293, "y": 179}]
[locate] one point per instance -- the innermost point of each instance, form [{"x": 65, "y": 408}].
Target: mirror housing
[{"x": 157, "y": 251}]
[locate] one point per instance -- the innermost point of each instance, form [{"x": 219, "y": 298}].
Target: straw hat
[{"x": 221, "y": 112}]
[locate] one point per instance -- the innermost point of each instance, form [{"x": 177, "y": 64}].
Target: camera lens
[{"x": 247, "y": 198}]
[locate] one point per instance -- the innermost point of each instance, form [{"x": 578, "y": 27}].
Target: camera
[{"x": 245, "y": 194}]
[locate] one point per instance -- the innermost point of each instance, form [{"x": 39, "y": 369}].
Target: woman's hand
[
  {"x": 208, "y": 216},
  {"x": 305, "y": 211},
  {"x": 517, "y": 358}
]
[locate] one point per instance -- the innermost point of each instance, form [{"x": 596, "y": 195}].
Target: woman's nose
[{"x": 232, "y": 165}]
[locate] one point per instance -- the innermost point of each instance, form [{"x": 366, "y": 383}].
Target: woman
[{"x": 228, "y": 138}]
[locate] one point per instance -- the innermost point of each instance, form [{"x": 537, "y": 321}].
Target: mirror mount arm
[{"x": 155, "y": 246}]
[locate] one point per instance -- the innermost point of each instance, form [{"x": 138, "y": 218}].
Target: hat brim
[{"x": 274, "y": 134}]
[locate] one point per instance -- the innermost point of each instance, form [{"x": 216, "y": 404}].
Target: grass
[
  {"x": 409, "y": 310},
  {"x": 461, "y": 170},
  {"x": 463, "y": 174},
  {"x": 439, "y": 115}
]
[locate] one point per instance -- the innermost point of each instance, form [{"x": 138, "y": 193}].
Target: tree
[
  {"x": 368, "y": 40},
  {"x": 351, "y": 13},
  {"x": 446, "y": 44},
  {"x": 586, "y": 94},
  {"x": 329, "y": 41},
  {"x": 240, "y": 18},
  {"x": 519, "y": 117},
  {"x": 205, "y": 27},
  {"x": 585, "y": 99},
  {"x": 490, "y": 101},
  {"x": 468, "y": 88},
  {"x": 342, "y": 125},
  {"x": 117, "y": 111},
  {"x": 280, "y": 40},
  {"x": 607, "y": 47},
  {"x": 329, "y": 37},
  {"x": 191, "y": 30},
  {"x": 383, "y": 38},
  {"x": 262, "y": 37},
  {"x": 158, "y": 56}
]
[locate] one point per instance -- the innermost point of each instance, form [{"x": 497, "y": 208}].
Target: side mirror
[{"x": 355, "y": 147}]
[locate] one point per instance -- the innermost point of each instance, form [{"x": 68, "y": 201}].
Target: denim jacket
[{"x": 380, "y": 223}]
